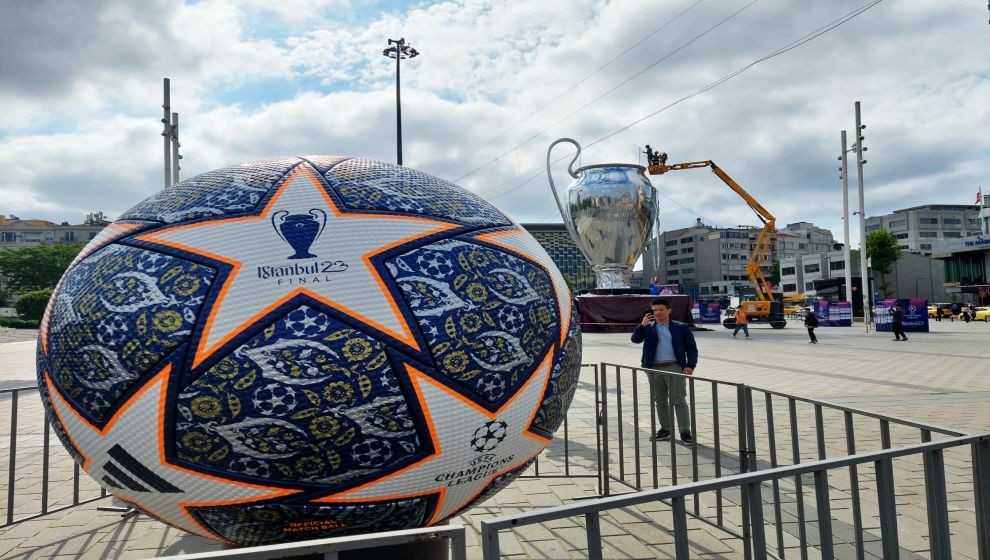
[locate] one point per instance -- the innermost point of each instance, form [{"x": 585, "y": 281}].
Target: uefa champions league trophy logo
[
  {"x": 610, "y": 211},
  {"x": 300, "y": 230}
]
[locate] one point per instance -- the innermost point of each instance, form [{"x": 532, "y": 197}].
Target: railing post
[
  {"x": 938, "y": 507},
  {"x": 888, "y": 509},
  {"x": 489, "y": 542},
  {"x": 681, "y": 548},
  {"x": 743, "y": 413},
  {"x": 12, "y": 462},
  {"x": 594, "y": 533},
  {"x": 854, "y": 486},
  {"x": 824, "y": 514},
  {"x": 603, "y": 423},
  {"x": 981, "y": 489}
]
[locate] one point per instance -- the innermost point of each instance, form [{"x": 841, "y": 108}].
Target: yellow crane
[{"x": 765, "y": 308}]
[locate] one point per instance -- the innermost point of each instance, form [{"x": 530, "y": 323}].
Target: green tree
[
  {"x": 36, "y": 268},
  {"x": 883, "y": 251},
  {"x": 32, "y": 304},
  {"x": 774, "y": 276}
]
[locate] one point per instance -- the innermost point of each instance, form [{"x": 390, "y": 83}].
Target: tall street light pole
[
  {"x": 862, "y": 219},
  {"x": 398, "y": 49},
  {"x": 845, "y": 218}
]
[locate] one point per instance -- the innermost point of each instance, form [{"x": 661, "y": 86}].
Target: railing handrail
[
  {"x": 692, "y": 376},
  {"x": 455, "y": 533},
  {"x": 731, "y": 481},
  {"x": 836, "y": 406}
]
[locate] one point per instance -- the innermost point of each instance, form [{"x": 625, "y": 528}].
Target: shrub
[
  {"x": 31, "y": 305},
  {"x": 18, "y": 323}
]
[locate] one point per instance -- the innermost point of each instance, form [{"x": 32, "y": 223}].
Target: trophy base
[{"x": 616, "y": 291}]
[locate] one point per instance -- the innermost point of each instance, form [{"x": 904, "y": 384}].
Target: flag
[{"x": 979, "y": 195}]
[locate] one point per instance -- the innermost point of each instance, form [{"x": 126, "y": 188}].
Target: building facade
[
  {"x": 803, "y": 238},
  {"x": 557, "y": 242},
  {"x": 967, "y": 261},
  {"x": 16, "y": 233},
  {"x": 713, "y": 260},
  {"x": 913, "y": 275},
  {"x": 917, "y": 229}
]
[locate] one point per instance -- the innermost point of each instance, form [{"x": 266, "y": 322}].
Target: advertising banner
[
  {"x": 915, "y": 314},
  {"x": 841, "y": 314},
  {"x": 706, "y": 312},
  {"x": 668, "y": 289},
  {"x": 833, "y": 313}
]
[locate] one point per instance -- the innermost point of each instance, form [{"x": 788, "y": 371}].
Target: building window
[
  {"x": 687, "y": 250},
  {"x": 897, "y": 223},
  {"x": 928, "y": 234},
  {"x": 790, "y": 287},
  {"x": 901, "y": 236},
  {"x": 811, "y": 268},
  {"x": 8, "y": 237},
  {"x": 926, "y": 246},
  {"x": 952, "y": 221},
  {"x": 671, "y": 253},
  {"x": 809, "y": 286},
  {"x": 69, "y": 236},
  {"x": 965, "y": 270},
  {"x": 973, "y": 222},
  {"x": 688, "y": 260},
  {"x": 928, "y": 221},
  {"x": 686, "y": 240},
  {"x": 670, "y": 243},
  {"x": 953, "y": 234},
  {"x": 837, "y": 265},
  {"x": 672, "y": 273},
  {"x": 787, "y": 271}
]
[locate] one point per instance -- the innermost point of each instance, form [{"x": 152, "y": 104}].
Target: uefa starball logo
[{"x": 488, "y": 436}]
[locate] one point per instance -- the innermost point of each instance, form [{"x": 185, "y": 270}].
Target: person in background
[
  {"x": 667, "y": 346},
  {"x": 811, "y": 321},
  {"x": 897, "y": 322},
  {"x": 742, "y": 322}
]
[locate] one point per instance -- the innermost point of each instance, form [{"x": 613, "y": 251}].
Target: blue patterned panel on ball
[
  {"x": 488, "y": 316},
  {"x": 251, "y": 525},
  {"x": 563, "y": 382},
  {"x": 227, "y": 191},
  {"x": 307, "y": 400},
  {"x": 365, "y": 184},
  {"x": 116, "y": 315}
]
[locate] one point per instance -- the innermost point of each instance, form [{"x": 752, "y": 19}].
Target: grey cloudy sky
[{"x": 497, "y": 82}]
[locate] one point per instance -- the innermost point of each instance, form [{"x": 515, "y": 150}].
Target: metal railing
[
  {"x": 559, "y": 453},
  {"x": 330, "y": 548},
  {"x": 751, "y": 484},
  {"x": 31, "y": 459}
]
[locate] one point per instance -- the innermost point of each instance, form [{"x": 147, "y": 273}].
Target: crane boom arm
[{"x": 658, "y": 166}]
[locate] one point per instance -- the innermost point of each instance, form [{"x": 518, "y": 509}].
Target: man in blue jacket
[{"x": 667, "y": 346}]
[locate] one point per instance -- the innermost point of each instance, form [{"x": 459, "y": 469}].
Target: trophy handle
[
  {"x": 283, "y": 214},
  {"x": 570, "y": 170},
  {"x": 323, "y": 226}
]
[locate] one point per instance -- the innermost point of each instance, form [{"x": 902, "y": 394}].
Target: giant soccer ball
[{"x": 308, "y": 347}]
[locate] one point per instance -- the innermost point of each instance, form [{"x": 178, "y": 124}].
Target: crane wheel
[
  {"x": 779, "y": 324},
  {"x": 729, "y": 323}
]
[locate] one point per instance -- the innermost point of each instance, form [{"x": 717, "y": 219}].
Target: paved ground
[{"x": 941, "y": 378}]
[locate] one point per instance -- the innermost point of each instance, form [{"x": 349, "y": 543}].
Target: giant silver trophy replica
[{"x": 610, "y": 211}]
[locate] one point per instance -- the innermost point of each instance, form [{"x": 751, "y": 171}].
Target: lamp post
[
  {"x": 862, "y": 219},
  {"x": 399, "y": 50}
]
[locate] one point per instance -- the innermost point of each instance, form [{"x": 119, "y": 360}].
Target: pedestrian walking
[
  {"x": 897, "y": 322},
  {"x": 811, "y": 321},
  {"x": 742, "y": 322},
  {"x": 667, "y": 346}
]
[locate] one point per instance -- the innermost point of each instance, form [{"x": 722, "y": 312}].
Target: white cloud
[{"x": 89, "y": 101}]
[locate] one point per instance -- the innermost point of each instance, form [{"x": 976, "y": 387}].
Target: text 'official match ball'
[{"x": 308, "y": 347}]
